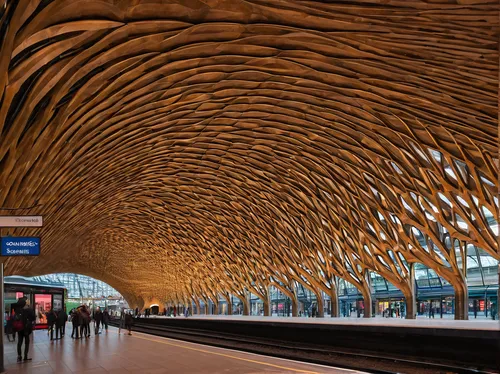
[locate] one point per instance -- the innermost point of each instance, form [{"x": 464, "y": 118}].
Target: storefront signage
[
  {"x": 481, "y": 305},
  {"x": 26, "y": 246},
  {"x": 21, "y": 221}
]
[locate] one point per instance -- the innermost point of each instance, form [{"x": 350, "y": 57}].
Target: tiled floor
[{"x": 140, "y": 353}]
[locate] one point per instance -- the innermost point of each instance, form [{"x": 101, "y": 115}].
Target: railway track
[{"x": 363, "y": 361}]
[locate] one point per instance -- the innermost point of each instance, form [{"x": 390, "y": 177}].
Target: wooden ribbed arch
[{"x": 193, "y": 150}]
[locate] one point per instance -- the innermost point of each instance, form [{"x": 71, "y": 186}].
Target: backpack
[{"x": 18, "y": 323}]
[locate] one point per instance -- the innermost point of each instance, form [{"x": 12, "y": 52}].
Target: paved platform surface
[
  {"x": 145, "y": 354},
  {"x": 432, "y": 323}
]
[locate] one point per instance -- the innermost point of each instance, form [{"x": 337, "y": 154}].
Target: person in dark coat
[
  {"x": 85, "y": 322},
  {"x": 65, "y": 315},
  {"x": 129, "y": 320},
  {"x": 75, "y": 321},
  {"x": 98, "y": 320},
  {"x": 51, "y": 320},
  {"x": 105, "y": 319},
  {"x": 25, "y": 314},
  {"x": 60, "y": 322}
]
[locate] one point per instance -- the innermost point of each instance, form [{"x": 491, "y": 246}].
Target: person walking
[
  {"x": 97, "y": 320},
  {"x": 129, "y": 320},
  {"x": 75, "y": 321},
  {"x": 105, "y": 319},
  {"x": 23, "y": 325}
]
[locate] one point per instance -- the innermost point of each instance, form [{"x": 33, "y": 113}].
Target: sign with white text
[
  {"x": 26, "y": 246},
  {"x": 21, "y": 221}
]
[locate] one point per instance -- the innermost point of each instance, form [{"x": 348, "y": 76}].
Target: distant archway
[{"x": 155, "y": 309}]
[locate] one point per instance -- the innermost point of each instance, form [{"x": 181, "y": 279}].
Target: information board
[{"x": 20, "y": 246}]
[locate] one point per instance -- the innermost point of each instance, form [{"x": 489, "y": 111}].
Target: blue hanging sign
[{"x": 20, "y": 246}]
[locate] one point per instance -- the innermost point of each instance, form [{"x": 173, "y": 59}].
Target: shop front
[{"x": 42, "y": 297}]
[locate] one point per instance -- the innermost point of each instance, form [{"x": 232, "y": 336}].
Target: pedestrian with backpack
[{"x": 23, "y": 324}]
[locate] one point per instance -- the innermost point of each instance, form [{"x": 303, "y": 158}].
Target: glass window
[
  {"x": 392, "y": 287},
  {"x": 80, "y": 286},
  {"x": 423, "y": 282},
  {"x": 342, "y": 287},
  {"x": 474, "y": 276},
  {"x": 489, "y": 266},
  {"x": 490, "y": 275},
  {"x": 435, "y": 282},
  {"x": 458, "y": 254},
  {"x": 351, "y": 289},
  {"x": 472, "y": 262},
  {"x": 444, "y": 282},
  {"x": 378, "y": 283},
  {"x": 432, "y": 273},
  {"x": 486, "y": 259},
  {"x": 421, "y": 274}
]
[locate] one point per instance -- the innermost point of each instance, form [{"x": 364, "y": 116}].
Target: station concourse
[
  {"x": 140, "y": 353},
  {"x": 311, "y": 163}
]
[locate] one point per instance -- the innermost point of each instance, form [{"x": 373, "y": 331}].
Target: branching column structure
[{"x": 187, "y": 150}]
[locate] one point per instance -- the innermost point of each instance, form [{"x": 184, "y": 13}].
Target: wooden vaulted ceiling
[{"x": 198, "y": 147}]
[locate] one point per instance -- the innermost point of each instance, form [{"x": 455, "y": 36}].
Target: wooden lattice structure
[{"x": 186, "y": 150}]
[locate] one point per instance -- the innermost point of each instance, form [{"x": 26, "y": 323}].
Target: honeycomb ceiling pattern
[{"x": 196, "y": 148}]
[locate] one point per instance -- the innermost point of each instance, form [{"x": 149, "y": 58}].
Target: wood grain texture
[{"x": 192, "y": 149}]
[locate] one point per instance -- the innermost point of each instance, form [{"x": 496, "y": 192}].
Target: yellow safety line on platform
[{"x": 225, "y": 355}]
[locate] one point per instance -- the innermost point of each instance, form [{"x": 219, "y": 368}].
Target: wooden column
[
  {"x": 334, "y": 299},
  {"x": 411, "y": 296}
]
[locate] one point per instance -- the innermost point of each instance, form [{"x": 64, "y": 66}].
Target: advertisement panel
[{"x": 58, "y": 303}]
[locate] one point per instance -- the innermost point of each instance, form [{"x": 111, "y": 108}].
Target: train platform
[
  {"x": 390, "y": 342},
  {"x": 112, "y": 352},
  {"x": 428, "y": 323}
]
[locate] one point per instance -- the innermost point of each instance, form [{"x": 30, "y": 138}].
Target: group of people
[
  {"x": 57, "y": 321},
  {"x": 20, "y": 323},
  {"x": 81, "y": 318}
]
